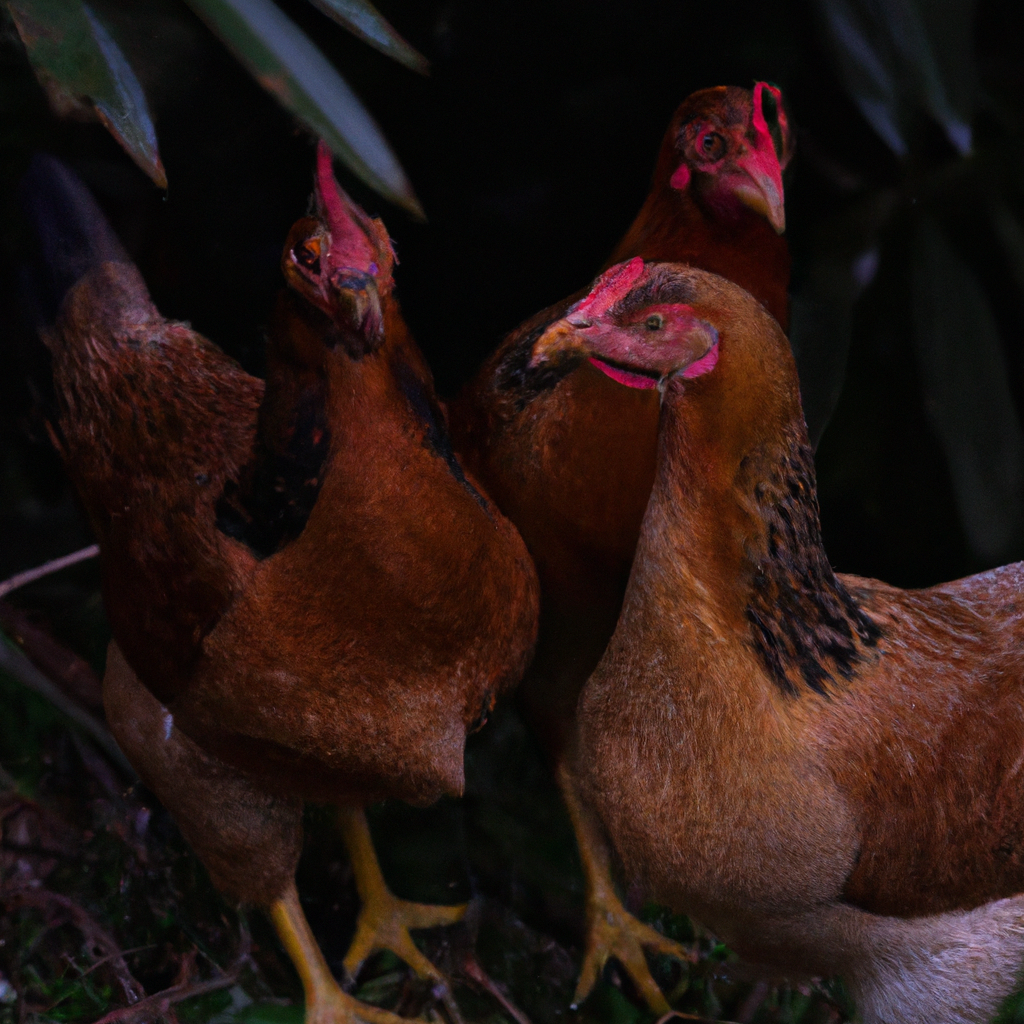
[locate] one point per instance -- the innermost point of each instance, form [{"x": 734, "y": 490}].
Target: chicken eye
[
  {"x": 307, "y": 254},
  {"x": 710, "y": 146},
  {"x": 654, "y": 322}
]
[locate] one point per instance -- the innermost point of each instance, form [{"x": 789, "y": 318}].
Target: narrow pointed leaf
[
  {"x": 967, "y": 394},
  {"x": 60, "y": 45},
  {"x": 866, "y": 71},
  {"x": 950, "y": 28},
  {"x": 914, "y": 48},
  {"x": 841, "y": 260},
  {"x": 287, "y": 64},
  {"x": 364, "y": 20},
  {"x": 83, "y": 71},
  {"x": 887, "y": 55},
  {"x": 126, "y": 114}
]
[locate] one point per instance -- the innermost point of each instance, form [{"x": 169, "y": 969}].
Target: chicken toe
[
  {"x": 611, "y": 930},
  {"x": 326, "y": 1003},
  {"x": 385, "y": 920}
]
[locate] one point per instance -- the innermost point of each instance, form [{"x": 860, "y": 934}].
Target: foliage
[
  {"x": 84, "y": 71},
  {"x": 952, "y": 194},
  {"x": 532, "y": 145}
]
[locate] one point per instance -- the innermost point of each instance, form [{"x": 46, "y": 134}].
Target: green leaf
[
  {"x": 83, "y": 72},
  {"x": 287, "y": 64},
  {"x": 967, "y": 394},
  {"x": 865, "y": 71},
  {"x": 126, "y": 115},
  {"x": 893, "y": 60},
  {"x": 364, "y": 20},
  {"x": 840, "y": 259}
]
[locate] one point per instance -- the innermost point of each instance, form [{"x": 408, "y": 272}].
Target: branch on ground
[
  {"x": 16, "y": 664},
  {"x": 159, "y": 1004},
  {"x": 60, "y": 910},
  {"x": 58, "y": 663}
]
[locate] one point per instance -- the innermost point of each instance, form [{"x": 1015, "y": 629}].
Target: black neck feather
[{"x": 804, "y": 624}]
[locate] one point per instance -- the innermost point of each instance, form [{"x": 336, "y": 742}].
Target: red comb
[
  {"x": 760, "y": 124},
  {"x": 350, "y": 245},
  {"x": 613, "y": 285},
  {"x": 780, "y": 111},
  {"x": 764, "y": 160}
]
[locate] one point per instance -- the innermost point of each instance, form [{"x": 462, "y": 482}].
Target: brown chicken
[
  {"x": 717, "y": 201},
  {"x": 569, "y": 454},
  {"x": 823, "y": 769},
  {"x": 310, "y": 599}
]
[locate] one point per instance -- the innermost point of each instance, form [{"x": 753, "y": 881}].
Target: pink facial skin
[
  {"x": 681, "y": 178},
  {"x": 639, "y": 358},
  {"x": 637, "y": 380},
  {"x": 703, "y": 365}
]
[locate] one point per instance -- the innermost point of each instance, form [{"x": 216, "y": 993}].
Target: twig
[
  {"x": 160, "y": 1002},
  {"x": 113, "y": 956},
  {"x": 472, "y": 969},
  {"x": 96, "y": 936},
  {"x": 73, "y": 674},
  {"x": 47, "y": 568},
  {"x": 19, "y": 667}
]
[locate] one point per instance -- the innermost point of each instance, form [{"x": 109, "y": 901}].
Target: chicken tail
[{"x": 73, "y": 236}]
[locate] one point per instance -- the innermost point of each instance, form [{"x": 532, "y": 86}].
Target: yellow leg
[
  {"x": 384, "y": 920},
  {"x": 611, "y": 929},
  {"x": 325, "y": 1001}
]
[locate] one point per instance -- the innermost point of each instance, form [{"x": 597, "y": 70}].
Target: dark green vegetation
[{"x": 530, "y": 148}]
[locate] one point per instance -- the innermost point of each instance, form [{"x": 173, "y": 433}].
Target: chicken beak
[
  {"x": 562, "y": 338},
  {"x": 759, "y": 186},
  {"x": 759, "y": 183},
  {"x": 357, "y": 305}
]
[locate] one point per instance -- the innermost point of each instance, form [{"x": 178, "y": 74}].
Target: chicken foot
[
  {"x": 611, "y": 930},
  {"x": 326, "y": 1003},
  {"x": 385, "y": 920}
]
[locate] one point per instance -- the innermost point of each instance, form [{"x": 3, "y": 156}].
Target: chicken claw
[
  {"x": 326, "y": 1003},
  {"x": 612, "y": 931},
  {"x": 385, "y": 920}
]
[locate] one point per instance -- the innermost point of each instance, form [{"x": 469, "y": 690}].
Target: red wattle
[
  {"x": 681, "y": 178},
  {"x": 631, "y": 380},
  {"x": 705, "y": 364}
]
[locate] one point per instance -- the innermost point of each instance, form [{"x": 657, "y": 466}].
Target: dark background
[{"x": 530, "y": 147}]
